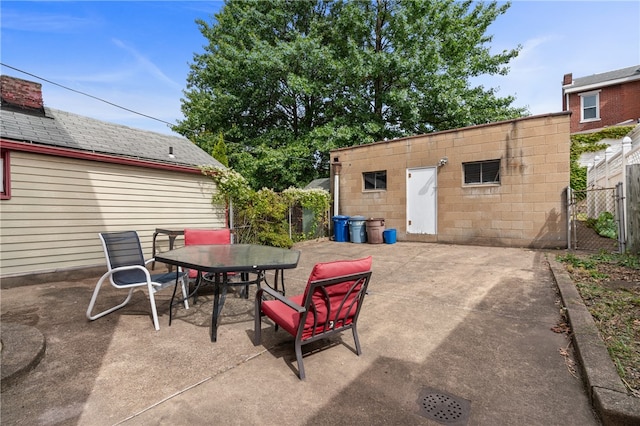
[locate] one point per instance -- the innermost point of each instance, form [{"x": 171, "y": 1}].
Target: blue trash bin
[
  {"x": 341, "y": 228},
  {"x": 357, "y": 230},
  {"x": 389, "y": 236}
]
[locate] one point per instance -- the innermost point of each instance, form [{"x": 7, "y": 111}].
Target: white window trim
[{"x": 595, "y": 93}]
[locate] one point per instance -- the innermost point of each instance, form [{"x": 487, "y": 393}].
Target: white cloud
[
  {"x": 145, "y": 64},
  {"x": 43, "y": 23}
]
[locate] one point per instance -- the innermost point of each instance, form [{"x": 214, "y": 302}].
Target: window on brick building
[
  {"x": 5, "y": 190},
  {"x": 375, "y": 180},
  {"x": 590, "y": 106},
  {"x": 479, "y": 172}
]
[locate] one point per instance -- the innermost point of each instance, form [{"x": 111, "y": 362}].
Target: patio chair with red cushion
[
  {"x": 330, "y": 304},
  {"x": 205, "y": 237}
]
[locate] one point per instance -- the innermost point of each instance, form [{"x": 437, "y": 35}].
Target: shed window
[
  {"x": 5, "y": 190},
  {"x": 375, "y": 180},
  {"x": 479, "y": 172},
  {"x": 590, "y": 106}
]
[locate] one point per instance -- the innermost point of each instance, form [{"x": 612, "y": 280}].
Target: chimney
[
  {"x": 21, "y": 95},
  {"x": 568, "y": 79}
]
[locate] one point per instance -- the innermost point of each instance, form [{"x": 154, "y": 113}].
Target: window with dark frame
[
  {"x": 479, "y": 172},
  {"x": 5, "y": 190},
  {"x": 375, "y": 180}
]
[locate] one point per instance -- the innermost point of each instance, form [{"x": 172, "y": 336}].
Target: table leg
[
  {"x": 218, "y": 303},
  {"x": 275, "y": 282},
  {"x": 174, "y": 295},
  {"x": 278, "y": 275}
]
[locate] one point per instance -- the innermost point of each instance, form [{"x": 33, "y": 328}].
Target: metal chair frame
[
  {"x": 339, "y": 318},
  {"x": 126, "y": 269}
]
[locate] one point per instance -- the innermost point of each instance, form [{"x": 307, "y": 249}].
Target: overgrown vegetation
[
  {"x": 605, "y": 225},
  {"x": 609, "y": 285},
  {"x": 261, "y": 217},
  {"x": 590, "y": 142}
]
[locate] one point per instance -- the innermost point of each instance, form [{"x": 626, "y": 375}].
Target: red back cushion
[
  {"x": 207, "y": 236},
  {"x": 336, "y": 293}
]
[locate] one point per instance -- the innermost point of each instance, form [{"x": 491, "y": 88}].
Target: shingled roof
[
  {"x": 55, "y": 128},
  {"x": 603, "y": 79}
]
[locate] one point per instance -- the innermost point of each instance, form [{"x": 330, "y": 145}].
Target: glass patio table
[{"x": 220, "y": 260}]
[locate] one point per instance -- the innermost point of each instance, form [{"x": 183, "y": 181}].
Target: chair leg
[
  {"x": 154, "y": 312},
  {"x": 298, "y": 347},
  {"x": 355, "y": 338},
  {"x": 257, "y": 327},
  {"x": 94, "y": 297},
  {"x": 185, "y": 294}
]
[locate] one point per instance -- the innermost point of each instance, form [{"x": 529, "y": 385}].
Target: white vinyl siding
[{"x": 59, "y": 205}]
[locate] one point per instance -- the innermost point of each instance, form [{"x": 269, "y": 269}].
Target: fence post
[
  {"x": 620, "y": 214},
  {"x": 626, "y": 148},
  {"x": 569, "y": 216}
]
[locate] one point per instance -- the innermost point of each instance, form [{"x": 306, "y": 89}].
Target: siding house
[
  {"x": 499, "y": 184},
  {"x": 602, "y": 100},
  {"x": 67, "y": 177}
]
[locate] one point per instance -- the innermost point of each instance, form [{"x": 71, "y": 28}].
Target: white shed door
[{"x": 421, "y": 200}]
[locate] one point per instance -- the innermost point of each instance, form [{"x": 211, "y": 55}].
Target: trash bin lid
[
  {"x": 340, "y": 217},
  {"x": 375, "y": 218},
  {"x": 358, "y": 218}
]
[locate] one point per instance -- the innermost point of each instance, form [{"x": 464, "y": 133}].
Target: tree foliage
[
  {"x": 219, "y": 151},
  {"x": 287, "y": 81}
]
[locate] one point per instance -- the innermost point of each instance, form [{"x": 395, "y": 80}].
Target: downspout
[
  {"x": 230, "y": 221},
  {"x": 337, "y": 166}
]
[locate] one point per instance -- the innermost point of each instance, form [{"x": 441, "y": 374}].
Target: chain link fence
[{"x": 594, "y": 219}]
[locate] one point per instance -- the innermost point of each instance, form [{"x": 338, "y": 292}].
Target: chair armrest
[
  {"x": 276, "y": 295},
  {"x": 129, "y": 268}
]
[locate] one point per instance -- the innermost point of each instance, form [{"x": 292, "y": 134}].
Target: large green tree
[{"x": 287, "y": 81}]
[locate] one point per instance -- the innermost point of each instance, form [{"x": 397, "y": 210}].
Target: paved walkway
[{"x": 471, "y": 324}]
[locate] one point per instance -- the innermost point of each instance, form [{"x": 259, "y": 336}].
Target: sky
[{"x": 132, "y": 57}]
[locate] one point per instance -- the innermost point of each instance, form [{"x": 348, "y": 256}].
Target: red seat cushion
[
  {"x": 283, "y": 315},
  {"x": 289, "y": 319}
]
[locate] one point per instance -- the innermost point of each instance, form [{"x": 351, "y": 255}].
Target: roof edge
[
  {"x": 571, "y": 88},
  {"x": 442, "y": 132},
  {"x": 92, "y": 156}
]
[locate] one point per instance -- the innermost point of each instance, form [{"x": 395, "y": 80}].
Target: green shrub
[
  {"x": 606, "y": 225},
  {"x": 261, "y": 217}
]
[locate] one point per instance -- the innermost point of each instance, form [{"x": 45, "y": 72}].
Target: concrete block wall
[{"x": 526, "y": 209}]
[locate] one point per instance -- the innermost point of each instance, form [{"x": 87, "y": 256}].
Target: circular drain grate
[{"x": 443, "y": 407}]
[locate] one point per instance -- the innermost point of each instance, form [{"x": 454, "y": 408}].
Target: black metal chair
[
  {"x": 127, "y": 270},
  {"x": 330, "y": 304}
]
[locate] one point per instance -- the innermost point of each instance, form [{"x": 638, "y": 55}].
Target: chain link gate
[{"x": 596, "y": 219}]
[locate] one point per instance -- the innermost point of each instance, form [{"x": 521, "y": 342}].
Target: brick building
[{"x": 602, "y": 100}]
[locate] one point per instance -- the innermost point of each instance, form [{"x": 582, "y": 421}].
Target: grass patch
[{"x": 609, "y": 285}]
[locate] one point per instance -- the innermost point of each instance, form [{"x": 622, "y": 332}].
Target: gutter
[{"x": 94, "y": 156}]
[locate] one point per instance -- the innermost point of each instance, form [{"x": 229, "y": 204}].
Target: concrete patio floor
[{"x": 474, "y": 323}]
